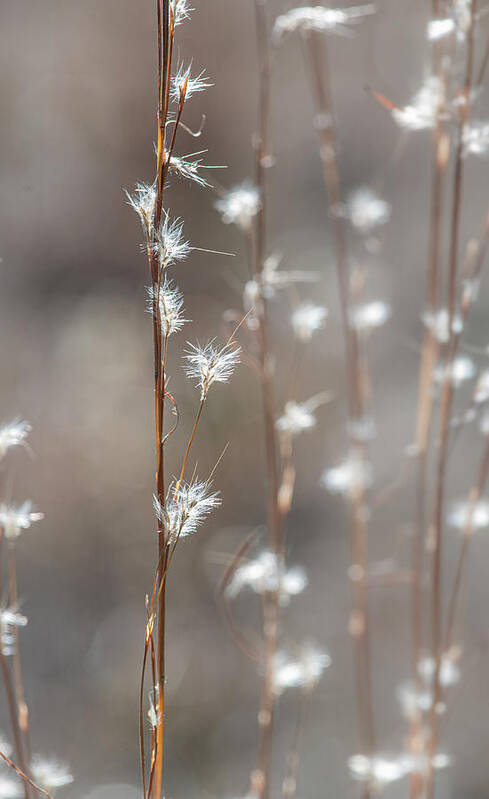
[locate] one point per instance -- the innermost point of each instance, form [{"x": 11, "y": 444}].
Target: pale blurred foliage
[{"x": 78, "y": 98}]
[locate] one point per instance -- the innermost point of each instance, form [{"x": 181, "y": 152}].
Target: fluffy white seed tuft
[
  {"x": 49, "y": 773},
  {"x": 307, "y": 319},
  {"x": 439, "y": 324},
  {"x": 366, "y": 317},
  {"x": 459, "y": 371},
  {"x": 464, "y": 513},
  {"x": 299, "y": 416},
  {"x": 240, "y": 205},
  {"x": 181, "y": 11},
  {"x": 319, "y": 18},
  {"x": 15, "y": 519},
  {"x": 184, "y": 168},
  {"x": 301, "y": 670},
  {"x": 186, "y": 508},
  {"x": 211, "y": 364},
  {"x": 170, "y": 307},
  {"x": 267, "y": 573},
  {"x": 171, "y": 245},
  {"x": 10, "y": 620},
  {"x": 13, "y": 434},
  {"x": 366, "y": 210},
  {"x": 476, "y": 139},
  {"x": 439, "y": 28},
  {"x": 143, "y": 202},
  {"x": 349, "y": 477},
  {"x": 421, "y": 112},
  {"x": 184, "y": 85}
]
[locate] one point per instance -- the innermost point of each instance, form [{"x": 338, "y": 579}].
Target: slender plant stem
[
  {"x": 474, "y": 497},
  {"x": 22, "y": 709},
  {"x": 356, "y": 385},
  {"x": 14, "y": 719},
  {"x": 446, "y": 405},
  {"x": 261, "y": 777}
]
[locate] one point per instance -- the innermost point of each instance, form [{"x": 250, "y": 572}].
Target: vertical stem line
[
  {"x": 262, "y": 775},
  {"x": 446, "y": 404},
  {"x": 324, "y": 122}
]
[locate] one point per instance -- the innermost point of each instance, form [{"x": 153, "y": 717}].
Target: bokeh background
[{"x": 77, "y": 98}]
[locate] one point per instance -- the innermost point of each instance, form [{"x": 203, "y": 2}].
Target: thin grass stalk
[
  {"x": 22, "y": 708},
  {"x": 324, "y": 116},
  {"x": 289, "y": 787},
  {"x": 429, "y": 357},
  {"x": 446, "y": 403},
  {"x": 475, "y": 495},
  {"x": 14, "y": 719},
  {"x": 262, "y": 775}
]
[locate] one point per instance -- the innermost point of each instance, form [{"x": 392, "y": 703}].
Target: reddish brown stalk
[
  {"x": 446, "y": 404},
  {"x": 22, "y": 709},
  {"x": 359, "y": 624},
  {"x": 429, "y": 356},
  {"x": 251, "y": 652},
  {"x": 24, "y": 776},
  {"x": 474, "y": 497},
  {"x": 14, "y": 718},
  {"x": 165, "y": 49},
  {"x": 289, "y": 787},
  {"x": 14, "y": 688},
  {"x": 261, "y": 776}
]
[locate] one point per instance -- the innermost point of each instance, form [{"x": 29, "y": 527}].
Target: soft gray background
[{"x": 77, "y": 98}]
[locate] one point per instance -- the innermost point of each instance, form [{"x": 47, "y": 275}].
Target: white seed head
[
  {"x": 13, "y": 434},
  {"x": 171, "y": 245},
  {"x": 464, "y": 514},
  {"x": 296, "y": 418},
  {"x": 299, "y": 416},
  {"x": 367, "y": 211},
  {"x": 211, "y": 364},
  {"x": 307, "y": 319},
  {"x": 301, "y": 670},
  {"x": 49, "y": 773},
  {"x": 15, "y": 519},
  {"x": 319, "y": 18},
  {"x": 422, "y": 111},
  {"x": 449, "y": 670},
  {"x": 181, "y": 10},
  {"x": 10, "y": 787},
  {"x": 475, "y": 138},
  {"x": 369, "y": 316},
  {"x": 240, "y": 205},
  {"x": 438, "y": 324},
  {"x": 170, "y": 307},
  {"x": 184, "y": 85},
  {"x": 439, "y": 28},
  {"x": 378, "y": 769},
  {"x": 412, "y": 701},
  {"x": 186, "y": 508},
  {"x": 143, "y": 202},
  {"x": 481, "y": 391},
  {"x": 10, "y": 620},
  {"x": 459, "y": 371},
  {"x": 349, "y": 477},
  {"x": 267, "y": 574},
  {"x": 187, "y": 169}
]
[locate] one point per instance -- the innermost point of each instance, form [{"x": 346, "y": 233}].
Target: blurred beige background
[{"x": 77, "y": 96}]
